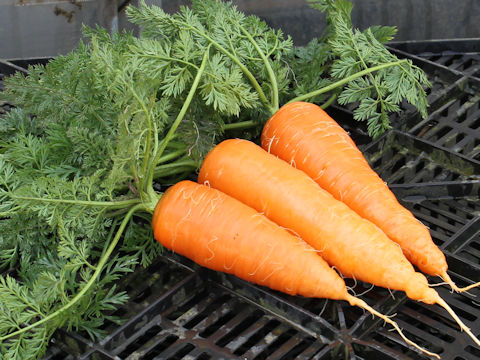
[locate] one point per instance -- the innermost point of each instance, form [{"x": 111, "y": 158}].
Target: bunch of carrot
[{"x": 284, "y": 215}]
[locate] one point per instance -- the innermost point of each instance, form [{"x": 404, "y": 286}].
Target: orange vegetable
[
  {"x": 289, "y": 197},
  {"x": 223, "y": 234},
  {"x": 305, "y": 136}
]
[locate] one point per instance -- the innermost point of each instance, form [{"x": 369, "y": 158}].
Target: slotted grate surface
[
  {"x": 454, "y": 113},
  {"x": 454, "y": 124},
  {"x": 468, "y": 64},
  {"x": 178, "y": 310},
  {"x": 459, "y": 55}
]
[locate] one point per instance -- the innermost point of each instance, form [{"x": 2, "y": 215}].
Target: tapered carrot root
[
  {"x": 290, "y": 198},
  {"x": 223, "y": 234},
  {"x": 305, "y": 136}
]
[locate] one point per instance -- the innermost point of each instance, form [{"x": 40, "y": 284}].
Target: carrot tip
[{"x": 354, "y": 301}]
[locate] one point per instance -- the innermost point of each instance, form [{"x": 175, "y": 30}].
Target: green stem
[
  {"x": 171, "y": 156},
  {"x": 329, "y": 102},
  {"x": 270, "y": 72},
  {"x": 345, "y": 81},
  {"x": 242, "y": 67},
  {"x": 149, "y": 133},
  {"x": 176, "y": 167},
  {"x": 240, "y": 125},
  {"x": 112, "y": 204},
  {"x": 177, "y": 121},
  {"x": 90, "y": 282},
  {"x": 186, "y": 162},
  {"x": 174, "y": 171}
]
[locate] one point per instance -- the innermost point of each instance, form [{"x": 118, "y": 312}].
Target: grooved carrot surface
[
  {"x": 223, "y": 234},
  {"x": 307, "y": 137},
  {"x": 289, "y": 197}
]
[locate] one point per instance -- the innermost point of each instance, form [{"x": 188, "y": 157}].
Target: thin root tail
[
  {"x": 447, "y": 307},
  {"x": 450, "y": 282},
  {"x": 360, "y": 303}
]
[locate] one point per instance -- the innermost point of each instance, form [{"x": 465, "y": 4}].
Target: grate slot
[
  {"x": 152, "y": 334},
  {"x": 279, "y": 345},
  {"x": 216, "y": 321},
  {"x": 387, "y": 345},
  {"x": 180, "y": 353},
  {"x": 165, "y": 343},
  {"x": 231, "y": 332}
]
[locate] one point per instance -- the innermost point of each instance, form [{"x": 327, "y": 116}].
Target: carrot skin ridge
[{"x": 223, "y": 234}]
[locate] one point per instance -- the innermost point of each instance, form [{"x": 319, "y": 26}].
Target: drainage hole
[
  {"x": 182, "y": 352},
  {"x": 157, "y": 350},
  {"x": 140, "y": 341},
  {"x": 240, "y": 328},
  {"x": 209, "y": 309},
  {"x": 259, "y": 335}
]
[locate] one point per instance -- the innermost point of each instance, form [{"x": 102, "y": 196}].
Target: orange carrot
[
  {"x": 305, "y": 136},
  {"x": 290, "y": 198},
  {"x": 223, "y": 234}
]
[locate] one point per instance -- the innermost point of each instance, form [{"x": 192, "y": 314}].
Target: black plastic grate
[
  {"x": 454, "y": 113},
  {"x": 459, "y": 55}
]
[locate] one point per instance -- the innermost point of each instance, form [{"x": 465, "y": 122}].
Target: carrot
[
  {"x": 223, "y": 234},
  {"x": 305, "y": 136},
  {"x": 354, "y": 246}
]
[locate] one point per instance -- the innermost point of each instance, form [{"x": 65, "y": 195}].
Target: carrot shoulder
[
  {"x": 223, "y": 234},
  {"x": 289, "y": 197},
  {"x": 305, "y": 136}
]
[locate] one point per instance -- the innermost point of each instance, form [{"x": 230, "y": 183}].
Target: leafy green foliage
[
  {"x": 375, "y": 95},
  {"x": 309, "y": 68}
]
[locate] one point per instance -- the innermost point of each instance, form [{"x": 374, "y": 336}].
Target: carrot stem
[
  {"x": 345, "y": 81},
  {"x": 171, "y": 156},
  {"x": 90, "y": 282},
  {"x": 329, "y": 102},
  {"x": 354, "y": 301},
  {"x": 176, "y": 123},
  {"x": 270, "y": 72},
  {"x": 240, "y": 125}
]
